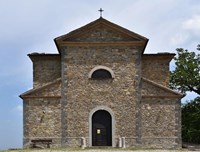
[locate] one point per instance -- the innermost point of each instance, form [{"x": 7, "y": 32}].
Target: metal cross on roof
[{"x": 100, "y": 12}]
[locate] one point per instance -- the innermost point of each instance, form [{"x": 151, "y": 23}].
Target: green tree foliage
[
  {"x": 191, "y": 121},
  {"x": 186, "y": 76}
]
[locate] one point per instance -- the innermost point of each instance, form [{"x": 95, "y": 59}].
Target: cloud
[
  {"x": 179, "y": 38},
  {"x": 192, "y": 25},
  {"x": 19, "y": 109},
  {"x": 186, "y": 32}
]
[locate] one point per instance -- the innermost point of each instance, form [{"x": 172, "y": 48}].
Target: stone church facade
[{"x": 101, "y": 90}]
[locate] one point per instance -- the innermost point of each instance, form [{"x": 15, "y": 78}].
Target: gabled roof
[
  {"x": 74, "y": 37},
  {"x": 52, "y": 89},
  {"x": 153, "y": 89}
]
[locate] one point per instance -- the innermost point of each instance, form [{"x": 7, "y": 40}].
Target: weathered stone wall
[
  {"x": 102, "y": 34},
  {"x": 42, "y": 120},
  {"x": 46, "y": 68},
  {"x": 152, "y": 90},
  {"x": 80, "y": 95},
  {"x": 156, "y": 67},
  {"x": 160, "y": 123},
  {"x": 51, "y": 90}
]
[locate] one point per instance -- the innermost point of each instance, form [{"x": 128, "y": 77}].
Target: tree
[
  {"x": 191, "y": 121},
  {"x": 186, "y": 76}
]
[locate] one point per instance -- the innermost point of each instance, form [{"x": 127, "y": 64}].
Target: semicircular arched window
[{"x": 101, "y": 74}]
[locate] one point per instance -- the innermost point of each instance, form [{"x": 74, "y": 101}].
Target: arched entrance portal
[{"x": 101, "y": 128}]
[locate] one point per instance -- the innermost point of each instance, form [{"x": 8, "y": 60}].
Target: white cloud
[
  {"x": 192, "y": 25},
  {"x": 18, "y": 109},
  {"x": 179, "y": 38},
  {"x": 186, "y": 32}
]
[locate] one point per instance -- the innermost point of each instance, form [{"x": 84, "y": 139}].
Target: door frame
[{"x": 112, "y": 120}]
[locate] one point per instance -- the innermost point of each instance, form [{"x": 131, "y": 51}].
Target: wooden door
[{"x": 101, "y": 129}]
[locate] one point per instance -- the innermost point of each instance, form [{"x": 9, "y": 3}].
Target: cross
[{"x": 100, "y": 12}]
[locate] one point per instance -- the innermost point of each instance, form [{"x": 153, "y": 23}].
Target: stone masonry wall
[
  {"x": 160, "y": 123},
  {"x": 42, "y": 120},
  {"x": 80, "y": 95},
  {"x": 46, "y": 68},
  {"x": 156, "y": 68},
  {"x": 152, "y": 90},
  {"x": 54, "y": 90}
]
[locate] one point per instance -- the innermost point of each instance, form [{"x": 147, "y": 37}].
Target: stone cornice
[
  {"x": 175, "y": 93},
  {"x": 41, "y": 97},
  {"x": 162, "y": 96},
  {"x": 118, "y": 43},
  {"x": 27, "y": 94}
]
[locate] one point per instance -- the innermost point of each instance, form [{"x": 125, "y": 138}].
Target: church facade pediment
[{"x": 102, "y": 32}]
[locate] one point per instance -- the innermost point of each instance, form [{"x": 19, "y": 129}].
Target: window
[{"x": 101, "y": 72}]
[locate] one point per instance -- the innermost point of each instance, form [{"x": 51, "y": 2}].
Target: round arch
[
  {"x": 103, "y": 68},
  {"x": 107, "y": 109}
]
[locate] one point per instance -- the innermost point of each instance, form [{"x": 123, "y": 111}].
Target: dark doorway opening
[{"x": 101, "y": 128}]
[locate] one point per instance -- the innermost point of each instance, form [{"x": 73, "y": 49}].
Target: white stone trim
[
  {"x": 90, "y": 123},
  {"x": 101, "y": 67}
]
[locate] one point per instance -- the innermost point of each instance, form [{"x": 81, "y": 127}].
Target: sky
[{"x": 28, "y": 26}]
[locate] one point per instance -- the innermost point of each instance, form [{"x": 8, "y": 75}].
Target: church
[{"x": 101, "y": 90}]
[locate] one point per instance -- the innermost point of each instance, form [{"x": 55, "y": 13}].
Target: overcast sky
[{"x": 31, "y": 25}]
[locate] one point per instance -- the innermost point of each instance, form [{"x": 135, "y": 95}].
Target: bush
[{"x": 191, "y": 121}]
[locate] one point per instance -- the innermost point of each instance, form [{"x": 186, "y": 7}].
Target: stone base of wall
[
  {"x": 131, "y": 142},
  {"x": 163, "y": 143},
  {"x": 72, "y": 142},
  {"x": 56, "y": 142},
  {"x": 77, "y": 142}
]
